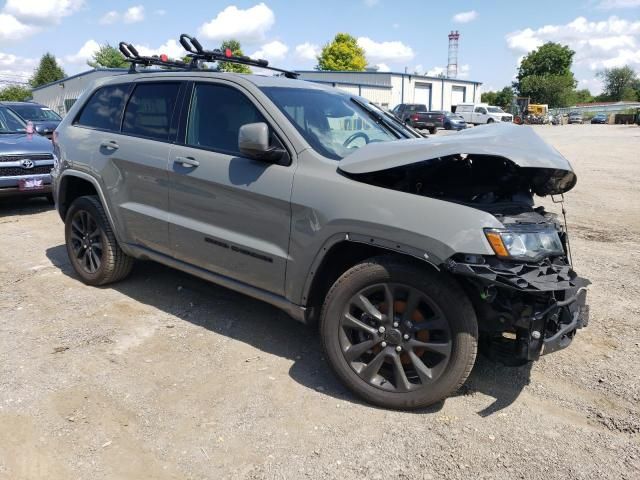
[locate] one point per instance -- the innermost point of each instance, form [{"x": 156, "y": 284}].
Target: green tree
[
  {"x": 502, "y": 98},
  {"x": 47, "y": 71},
  {"x": 343, "y": 53},
  {"x": 620, "y": 83},
  {"x": 15, "y": 93},
  {"x": 107, "y": 56},
  {"x": 235, "y": 48},
  {"x": 582, "y": 96},
  {"x": 545, "y": 75}
]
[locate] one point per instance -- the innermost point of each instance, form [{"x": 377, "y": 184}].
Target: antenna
[{"x": 452, "y": 64}]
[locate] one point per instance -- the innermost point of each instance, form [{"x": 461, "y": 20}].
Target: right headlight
[{"x": 525, "y": 244}]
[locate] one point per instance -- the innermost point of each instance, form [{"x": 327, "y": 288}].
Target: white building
[
  {"x": 388, "y": 89},
  {"x": 61, "y": 95}
]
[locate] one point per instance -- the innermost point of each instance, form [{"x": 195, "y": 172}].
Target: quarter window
[
  {"x": 217, "y": 112},
  {"x": 104, "y": 108},
  {"x": 149, "y": 111}
]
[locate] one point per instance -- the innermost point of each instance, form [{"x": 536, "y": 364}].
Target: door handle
[
  {"x": 110, "y": 144},
  {"x": 188, "y": 162}
]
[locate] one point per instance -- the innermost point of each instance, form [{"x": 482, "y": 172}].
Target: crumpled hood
[{"x": 517, "y": 143}]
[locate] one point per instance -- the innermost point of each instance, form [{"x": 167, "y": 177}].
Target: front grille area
[
  {"x": 506, "y": 119},
  {"x": 34, "y": 156},
  {"x": 15, "y": 171}
]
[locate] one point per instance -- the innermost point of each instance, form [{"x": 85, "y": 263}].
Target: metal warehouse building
[
  {"x": 61, "y": 95},
  {"x": 388, "y": 89}
]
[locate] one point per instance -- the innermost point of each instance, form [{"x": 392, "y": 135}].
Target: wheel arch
[{"x": 343, "y": 251}]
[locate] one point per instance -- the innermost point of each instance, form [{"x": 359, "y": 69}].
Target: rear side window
[
  {"x": 217, "y": 112},
  {"x": 149, "y": 111},
  {"x": 104, "y": 108}
]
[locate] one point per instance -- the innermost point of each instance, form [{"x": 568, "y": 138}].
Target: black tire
[
  {"x": 444, "y": 297},
  {"x": 433, "y": 131},
  {"x": 95, "y": 241},
  {"x": 50, "y": 199},
  {"x": 489, "y": 121}
]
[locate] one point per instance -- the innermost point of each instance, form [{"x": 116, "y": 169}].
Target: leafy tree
[
  {"x": 554, "y": 90},
  {"x": 107, "y": 56},
  {"x": 621, "y": 83},
  {"x": 582, "y": 96},
  {"x": 343, "y": 53},
  {"x": 235, "y": 48},
  {"x": 545, "y": 75},
  {"x": 15, "y": 93},
  {"x": 48, "y": 71},
  {"x": 502, "y": 98}
]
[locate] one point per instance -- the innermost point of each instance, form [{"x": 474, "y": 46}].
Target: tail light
[
  {"x": 415, "y": 118},
  {"x": 441, "y": 119}
]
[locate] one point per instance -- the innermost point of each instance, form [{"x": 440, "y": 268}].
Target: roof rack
[
  {"x": 132, "y": 56},
  {"x": 198, "y": 53}
]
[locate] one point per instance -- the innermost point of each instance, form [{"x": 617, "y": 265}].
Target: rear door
[
  {"x": 129, "y": 132},
  {"x": 228, "y": 214}
]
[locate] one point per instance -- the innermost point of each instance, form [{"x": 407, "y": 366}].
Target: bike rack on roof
[{"x": 197, "y": 54}]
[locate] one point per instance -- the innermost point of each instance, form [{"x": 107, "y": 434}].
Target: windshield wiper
[{"x": 398, "y": 129}]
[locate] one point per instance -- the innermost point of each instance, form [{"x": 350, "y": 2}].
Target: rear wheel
[
  {"x": 91, "y": 244},
  {"x": 398, "y": 335},
  {"x": 432, "y": 131},
  {"x": 490, "y": 121}
]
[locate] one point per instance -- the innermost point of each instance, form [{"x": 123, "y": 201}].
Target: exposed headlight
[{"x": 524, "y": 244}]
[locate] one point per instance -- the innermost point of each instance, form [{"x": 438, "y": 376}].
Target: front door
[{"x": 228, "y": 214}]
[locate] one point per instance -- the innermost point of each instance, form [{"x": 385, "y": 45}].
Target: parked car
[
  {"x": 43, "y": 118},
  {"x": 482, "y": 113},
  {"x": 600, "y": 118},
  {"x": 405, "y": 250},
  {"x": 453, "y": 121},
  {"x": 26, "y": 159},
  {"x": 415, "y": 115},
  {"x": 575, "y": 117}
]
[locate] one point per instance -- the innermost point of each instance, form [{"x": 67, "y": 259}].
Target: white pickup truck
[{"x": 478, "y": 113}]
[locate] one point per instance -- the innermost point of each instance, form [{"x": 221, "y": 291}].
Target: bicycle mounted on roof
[{"x": 197, "y": 54}]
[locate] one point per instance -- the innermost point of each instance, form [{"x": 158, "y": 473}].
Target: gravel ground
[{"x": 164, "y": 376}]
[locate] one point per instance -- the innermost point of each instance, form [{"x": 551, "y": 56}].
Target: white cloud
[
  {"x": 395, "y": 51},
  {"x": 109, "y": 18},
  {"x": 463, "y": 71},
  {"x": 611, "y": 4},
  {"x": 15, "y": 69},
  {"x": 594, "y": 85},
  {"x": 171, "y": 48},
  {"x": 383, "y": 67},
  {"x": 272, "y": 51},
  {"x": 42, "y": 12},
  {"x": 134, "y": 14},
  {"x": 250, "y": 25},
  {"x": 13, "y": 29},
  {"x": 85, "y": 53},
  {"x": 436, "y": 72},
  {"x": 307, "y": 51},
  {"x": 603, "y": 44},
  {"x": 465, "y": 17}
]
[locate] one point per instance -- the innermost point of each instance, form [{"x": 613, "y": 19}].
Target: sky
[{"x": 395, "y": 35}]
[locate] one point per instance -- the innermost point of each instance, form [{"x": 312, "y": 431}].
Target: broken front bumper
[{"x": 524, "y": 310}]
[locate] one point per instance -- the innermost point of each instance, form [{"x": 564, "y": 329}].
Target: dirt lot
[{"x": 164, "y": 376}]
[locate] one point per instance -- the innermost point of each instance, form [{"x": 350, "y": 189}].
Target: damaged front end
[{"x": 528, "y": 299}]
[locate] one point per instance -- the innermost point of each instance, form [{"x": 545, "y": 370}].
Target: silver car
[
  {"x": 409, "y": 252},
  {"x": 26, "y": 159}
]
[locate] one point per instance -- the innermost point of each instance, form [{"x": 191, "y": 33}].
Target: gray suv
[{"x": 408, "y": 252}]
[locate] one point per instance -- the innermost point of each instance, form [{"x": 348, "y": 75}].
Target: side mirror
[{"x": 253, "y": 142}]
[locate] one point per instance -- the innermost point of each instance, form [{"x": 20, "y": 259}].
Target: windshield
[
  {"x": 334, "y": 124},
  {"x": 495, "y": 110},
  {"x": 10, "y": 122},
  {"x": 35, "y": 113}
]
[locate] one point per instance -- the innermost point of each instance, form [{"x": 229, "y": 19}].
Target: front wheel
[
  {"x": 397, "y": 334},
  {"x": 490, "y": 121},
  {"x": 91, "y": 244}
]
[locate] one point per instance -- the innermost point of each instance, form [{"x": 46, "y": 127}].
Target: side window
[
  {"x": 104, "y": 108},
  {"x": 216, "y": 114},
  {"x": 480, "y": 110},
  {"x": 149, "y": 111}
]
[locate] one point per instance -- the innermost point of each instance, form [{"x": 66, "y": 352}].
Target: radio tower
[{"x": 452, "y": 65}]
